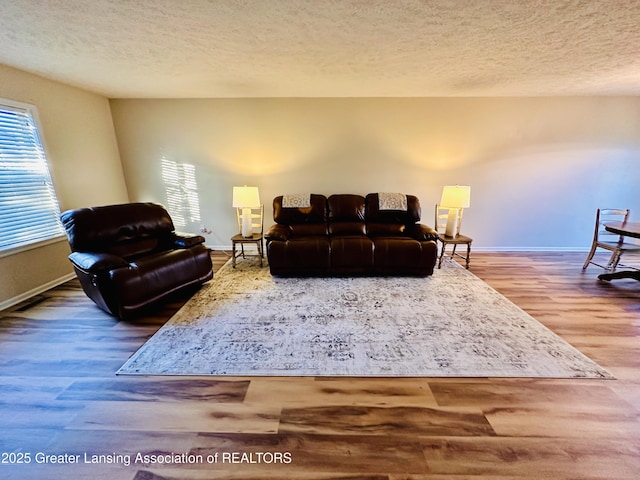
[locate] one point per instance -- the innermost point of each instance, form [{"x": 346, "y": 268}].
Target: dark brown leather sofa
[
  {"x": 129, "y": 256},
  {"x": 349, "y": 235}
]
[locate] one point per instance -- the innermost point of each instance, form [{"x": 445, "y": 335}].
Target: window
[{"x": 29, "y": 211}]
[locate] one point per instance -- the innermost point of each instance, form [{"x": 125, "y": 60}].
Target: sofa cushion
[
  {"x": 352, "y": 251},
  {"x": 155, "y": 275},
  {"x": 137, "y": 247},
  {"x": 385, "y": 229},
  {"x": 397, "y": 252},
  {"x": 300, "y": 256},
  {"x": 346, "y": 215}
]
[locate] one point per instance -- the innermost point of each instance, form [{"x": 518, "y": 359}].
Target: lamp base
[
  {"x": 452, "y": 223},
  {"x": 247, "y": 228}
]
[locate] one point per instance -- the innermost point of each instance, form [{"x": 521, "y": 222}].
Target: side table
[
  {"x": 239, "y": 239},
  {"x": 455, "y": 241}
]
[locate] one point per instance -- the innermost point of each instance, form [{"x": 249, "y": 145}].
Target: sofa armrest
[
  {"x": 96, "y": 262},
  {"x": 278, "y": 232},
  {"x": 421, "y": 232},
  {"x": 186, "y": 240}
]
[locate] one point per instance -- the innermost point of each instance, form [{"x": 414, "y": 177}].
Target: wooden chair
[
  {"x": 257, "y": 224},
  {"x": 607, "y": 240},
  {"x": 442, "y": 217}
]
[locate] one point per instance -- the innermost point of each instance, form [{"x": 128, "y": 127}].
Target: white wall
[
  {"x": 85, "y": 166},
  {"x": 538, "y": 167}
]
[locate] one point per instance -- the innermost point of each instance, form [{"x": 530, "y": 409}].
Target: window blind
[{"x": 29, "y": 211}]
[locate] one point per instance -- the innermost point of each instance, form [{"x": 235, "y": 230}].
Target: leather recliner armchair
[
  {"x": 350, "y": 235},
  {"x": 129, "y": 256}
]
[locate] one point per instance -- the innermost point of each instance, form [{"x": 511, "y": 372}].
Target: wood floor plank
[
  {"x": 341, "y": 391},
  {"x": 313, "y": 453},
  {"x": 132, "y": 389},
  {"x": 189, "y": 416},
  {"x": 530, "y": 392},
  {"x": 535, "y": 458},
  {"x": 43, "y": 389},
  {"x": 384, "y": 421},
  {"x": 564, "y": 423}
]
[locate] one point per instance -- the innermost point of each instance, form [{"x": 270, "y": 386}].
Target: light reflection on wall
[{"x": 182, "y": 192}]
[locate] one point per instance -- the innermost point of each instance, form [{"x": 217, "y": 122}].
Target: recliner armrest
[
  {"x": 96, "y": 262},
  {"x": 278, "y": 232},
  {"x": 187, "y": 240},
  {"x": 421, "y": 232}
]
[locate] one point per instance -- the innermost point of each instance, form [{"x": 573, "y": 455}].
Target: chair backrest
[
  {"x": 257, "y": 219},
  {"x": 346, "y": 214},
  {"x": 605, "y": 215},
  {"x": 442, "y": 217},
  {"x": 126, "y": 230},
  {"x": 303, "y": 221},
  {"x": 390, "y": 222}
]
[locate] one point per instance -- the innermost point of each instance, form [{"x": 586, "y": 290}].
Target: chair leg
[
  {"x": 592, "y": 252},
  {"x": 468, "y": 254},
  {"x": 233, "y": 254},
  {"x": 613, "y": 261},
  {"x": 441, "y": 255}
]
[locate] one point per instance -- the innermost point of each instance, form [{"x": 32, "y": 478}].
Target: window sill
[{"x": 31, "y": 246}]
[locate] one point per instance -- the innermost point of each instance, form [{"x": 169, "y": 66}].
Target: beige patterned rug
[{"x": 247, "y": 323}]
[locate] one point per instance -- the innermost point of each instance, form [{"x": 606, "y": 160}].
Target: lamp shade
[
  {"x": 246, "y": 197},
  {"x": 456, "y": 197}
]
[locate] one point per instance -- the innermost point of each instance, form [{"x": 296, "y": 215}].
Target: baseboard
[
  {"x": 35, "y": 291},
  {"x": 531, "y": 249},
  {"x": 222, "y": 248},
  {"x": 227, "y": 248}
]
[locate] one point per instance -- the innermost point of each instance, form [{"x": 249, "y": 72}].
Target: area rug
[{"x": 452, "y": 324}]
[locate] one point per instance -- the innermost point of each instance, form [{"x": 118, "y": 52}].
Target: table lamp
[
  {"x": 246, "y": 198},
  {"x": 455, "y": 198}
]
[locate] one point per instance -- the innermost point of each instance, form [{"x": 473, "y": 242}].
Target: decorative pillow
[
  {"x": 296, "y": 200},
  {"x": 392, "y": 201}
]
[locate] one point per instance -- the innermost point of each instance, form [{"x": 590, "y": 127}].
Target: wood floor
[{"x": 59, "y": 397}]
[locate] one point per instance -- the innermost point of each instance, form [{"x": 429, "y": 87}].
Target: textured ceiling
[{"x": 327, "y": 48}]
